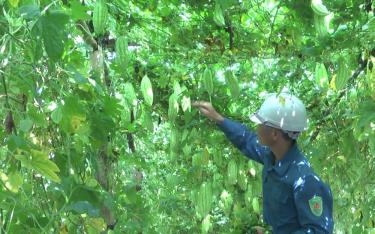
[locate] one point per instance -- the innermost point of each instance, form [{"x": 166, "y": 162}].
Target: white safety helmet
[{"x": 284, "y": 111}]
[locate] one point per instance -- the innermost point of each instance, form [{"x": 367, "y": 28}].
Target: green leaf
[
  {"x": 219, "y": 16},
  {"x": 17, "y": 142},
  {"x": 72, "y": 106},
  {"x": 56, "y": 115},
  {"x": 13, "y": 181},
  {"x": 73, "y": 113},
  {"x": 174, "y": 140},
  {"x": 37, "y": 117},
  {"x": 29, "y": 11},
  {"x": 186, "y": 103},
  {"x": 146, "y": 88},
  {"x": 122, "y": 53},
  {"x": 248, "y": 196},
  {"x": 13, "y": 3},
  {"x": 111, "y": 106},
  {"x": 100, "y": 17},
  {"x": 101, "y": 126},
  {"x": 366, "y": 115},
  {"x": 82, "y": 207},
  {"x": 42, "y": 157},
  {"x": 26, "y": 125},
  {"x": 208, "y": 81},
  {"x": 177, "y": 88},
  {"x": 25, "y": 161},
  {"x": 78, "y": 11},
  {"x": 147, "y": 120},
  {"x": 255, "y": 204},
  {"x": 34, "y": 50},
  {"x": 371, "y": 24},
  {"x": 53, "y": 33},
  {"x": 233, "y": 84},
  {"x": 131, "y": 194},
  {"x": 357, "y": 230},
  {"x": 76, "y": 75},
  {"x": 204, "y": 203},
  {"x": 43, "y": 169},
  {"x": 44, "y": 166},
  {"x": 321, "y": 76},
  {"x": 206, "y": 224},
  {"x": 81, "y": 193},
  {"x": 173, "y": 107},
  {"x": 130, "y": 93},
  {"x": 343, "y": 74},
  {"x": 126, "y": 112},
  {"x": 225, "y": 4},
  {"x": 187, "y": 150}
]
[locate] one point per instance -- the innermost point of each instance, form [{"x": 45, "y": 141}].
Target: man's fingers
[
  {"x": 258, "y": 229},
  {"x": 203, "y": 110},
  {"x": 201, "y": 104},
  {"x": 196, "y": 103}
]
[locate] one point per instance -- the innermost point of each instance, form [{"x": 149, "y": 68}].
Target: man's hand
[
  {"x": 209, "y": 111},
  {"x": 259, "y": 230}
]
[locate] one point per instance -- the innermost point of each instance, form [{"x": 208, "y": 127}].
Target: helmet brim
[{"x": 255, "y": 119}]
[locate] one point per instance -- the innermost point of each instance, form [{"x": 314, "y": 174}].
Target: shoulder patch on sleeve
[{"x": 316, "y": 205}]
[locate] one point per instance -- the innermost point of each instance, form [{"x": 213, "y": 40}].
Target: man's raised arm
[{"x": 245, "y": 140}]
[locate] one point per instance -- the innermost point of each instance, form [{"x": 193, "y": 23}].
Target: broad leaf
[
  {"x": 29, "y": 11},
  {"x": 53, "y": 33},
  {"x": 321, "y": 76},
  {"x": 232, "y": 83},
  {"x": 186, "y": 103},
  {"x": 56, "y": 115},
  {"x": 12, "y": 181},
  {"x": 26, "y": 125},
  {"x": 343, "y": 74},
  {"x": 147, "y": 120},
  {"x": 78, "y": 11},
  {"x": 130, "y": 93},
  {"x": 44, "y": 166},
  {"x": 146, "y": 88},
  {"x": 13, "y": 3},
  {"x": 82, "y": 207},
  {"x": 173, "y": 107}
]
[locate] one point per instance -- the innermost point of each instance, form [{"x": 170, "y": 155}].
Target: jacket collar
[{"x": 282, "y": 166}]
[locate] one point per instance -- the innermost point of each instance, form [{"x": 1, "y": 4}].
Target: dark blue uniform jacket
[{"x": 295, "y": 199}]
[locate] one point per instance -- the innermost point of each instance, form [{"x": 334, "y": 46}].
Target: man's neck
[{"x": 280, "y": 149}]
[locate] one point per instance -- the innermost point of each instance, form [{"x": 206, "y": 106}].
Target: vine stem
[{"x": 5, "y": 91}]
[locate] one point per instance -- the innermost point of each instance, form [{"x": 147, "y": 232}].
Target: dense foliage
[{"x": 98, "y": 129}]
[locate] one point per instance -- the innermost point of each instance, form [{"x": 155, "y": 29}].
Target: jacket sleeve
[
  {"x": 245, "y": 140},
  {"x": 314, "y": 203}
]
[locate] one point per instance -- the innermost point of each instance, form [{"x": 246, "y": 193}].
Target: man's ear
[
  {"x": 275, "y": 134},
  {"x": 279, "y": 134}
]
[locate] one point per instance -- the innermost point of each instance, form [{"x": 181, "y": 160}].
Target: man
[{"x": 295, "y": 199}]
